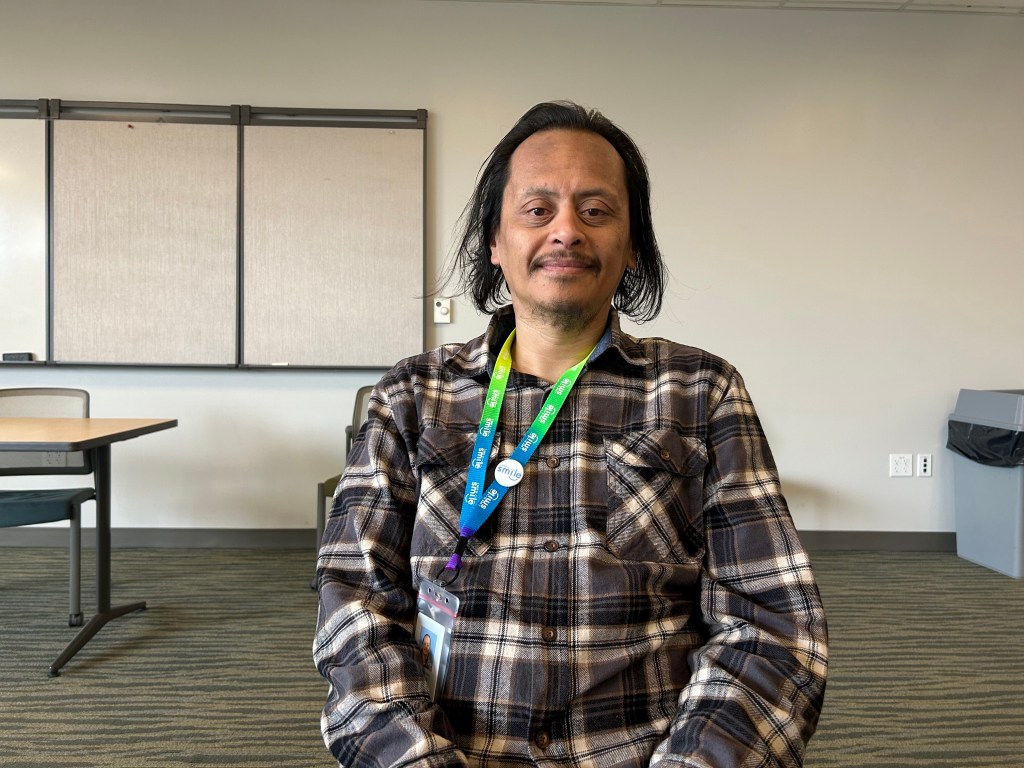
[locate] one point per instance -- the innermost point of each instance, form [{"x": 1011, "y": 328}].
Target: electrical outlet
[
  {"x": 901, "y": 465},
  {"x": 924, "y": 465}
]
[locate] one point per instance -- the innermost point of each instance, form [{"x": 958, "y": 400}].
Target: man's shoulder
[
  {"x": 666, "y": 357},
  {"x": 443, "y": 362},
  {"x": 426, "y": 387}
]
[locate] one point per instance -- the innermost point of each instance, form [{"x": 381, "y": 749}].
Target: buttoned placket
[{"x": 553, "y": 463}]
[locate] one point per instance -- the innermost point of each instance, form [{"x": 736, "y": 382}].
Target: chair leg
[
  {"x": 321, "y": 514},
  {"x": 75, "y": 577},
  {"x": 321, "y": 518}
]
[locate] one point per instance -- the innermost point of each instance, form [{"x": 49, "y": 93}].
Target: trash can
[{"x": 986, "y": 436}]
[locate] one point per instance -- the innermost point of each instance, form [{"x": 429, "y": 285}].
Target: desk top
[{"x": 22, "y": 434}]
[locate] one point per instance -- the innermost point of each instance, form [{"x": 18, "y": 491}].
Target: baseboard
[
  {"x": 879, "y": 541},
  {"x": 168, "y": 538},
  {"x": 305, "y": 538}
]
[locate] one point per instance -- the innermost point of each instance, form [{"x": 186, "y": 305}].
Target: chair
[
  {"x": 47, "y": 505},
  {"x": 325, "y": 490}
]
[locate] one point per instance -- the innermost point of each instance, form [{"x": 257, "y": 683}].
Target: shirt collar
[{"x": 476, "y": 358}]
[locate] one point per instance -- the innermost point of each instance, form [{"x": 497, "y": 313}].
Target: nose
[{"x": 566, "y": 229}]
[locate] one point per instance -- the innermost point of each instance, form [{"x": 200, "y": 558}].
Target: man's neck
[{"x": 547, "y": 352}]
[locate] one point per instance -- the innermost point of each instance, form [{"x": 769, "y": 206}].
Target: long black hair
[{"x": 639, "y": 293}]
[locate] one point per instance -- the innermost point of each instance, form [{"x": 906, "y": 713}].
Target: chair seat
[{"x": 43, "y": 505}]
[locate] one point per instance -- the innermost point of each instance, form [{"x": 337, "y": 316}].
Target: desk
[{"x": 95, "y": 437}]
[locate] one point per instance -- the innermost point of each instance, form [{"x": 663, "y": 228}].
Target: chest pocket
[
  {"x": 655, "y": 497},
  {"x": 442, "y": 465}
]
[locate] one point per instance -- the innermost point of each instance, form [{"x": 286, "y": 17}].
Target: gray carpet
[
  {"x": 216, "y": 672},
  {"x": 927, "y": 663}
]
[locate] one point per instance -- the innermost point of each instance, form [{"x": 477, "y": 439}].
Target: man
[{"x": 638, "y": 595}]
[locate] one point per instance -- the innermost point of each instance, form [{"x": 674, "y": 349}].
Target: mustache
[{"x": 563, "y": 257}]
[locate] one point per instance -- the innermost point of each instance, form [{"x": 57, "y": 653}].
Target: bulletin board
[
  {"x": 144, "y": 242},
  {"x": 231, "y": 236},
  {"x": 333, "y": 245}
]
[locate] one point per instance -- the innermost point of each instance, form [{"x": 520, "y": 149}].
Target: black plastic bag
[{"x": 992, "y": 446}]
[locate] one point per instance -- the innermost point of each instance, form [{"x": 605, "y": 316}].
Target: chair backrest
[
  {"x": 51, "y": 402},
  {"x": 360, "y": 411}
]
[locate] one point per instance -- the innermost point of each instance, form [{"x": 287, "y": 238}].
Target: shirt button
[
  {"x": 542, "y": 740},
  {"x": 551, "y": 545},
  {"x": 552, "y": 461},
  {"x": 665, "y": 455},
  {"x": 548, "y": 634}
]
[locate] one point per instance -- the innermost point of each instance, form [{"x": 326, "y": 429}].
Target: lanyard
[{"x": 476, "y": 505}]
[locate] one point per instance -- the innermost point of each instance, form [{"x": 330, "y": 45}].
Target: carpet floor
[{"x": 927, "y": 663}]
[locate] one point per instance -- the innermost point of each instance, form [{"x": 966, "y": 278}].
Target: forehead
[{"x": 566, "y": 161}]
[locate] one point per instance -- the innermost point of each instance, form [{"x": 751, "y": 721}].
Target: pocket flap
[
  {"x": 446, "y": 447},
  {"x": 663, "y": 449},
  {"x": 442, "y": 462}
]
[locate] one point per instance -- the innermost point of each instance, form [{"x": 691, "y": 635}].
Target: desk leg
[{"x": 104, "y": 612}]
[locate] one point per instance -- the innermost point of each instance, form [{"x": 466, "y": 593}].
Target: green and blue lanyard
[{"x": 478, "y": 504}]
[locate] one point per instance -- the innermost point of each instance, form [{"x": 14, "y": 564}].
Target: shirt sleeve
[
  {"x": 378, "y": 711},
  {"x": 757, "y": 684}
]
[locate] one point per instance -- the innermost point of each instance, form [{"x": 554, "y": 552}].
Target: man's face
[{"x": 563, "y": 242}]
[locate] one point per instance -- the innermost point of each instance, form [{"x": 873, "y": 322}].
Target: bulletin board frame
[{"x": 232, "y": 236}]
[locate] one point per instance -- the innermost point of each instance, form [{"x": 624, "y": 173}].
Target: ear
[{"x": 493, "y": 246}]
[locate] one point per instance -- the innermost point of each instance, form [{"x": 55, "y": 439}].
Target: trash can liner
[{"x": 992, "y": 446}]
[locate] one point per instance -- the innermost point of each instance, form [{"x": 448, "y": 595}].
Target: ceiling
[{"x": 996, "y": 7}]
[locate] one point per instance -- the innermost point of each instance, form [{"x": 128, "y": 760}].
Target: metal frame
[
  {"x": 235, "y": 114},
  {"x": 24, "y": 108}
]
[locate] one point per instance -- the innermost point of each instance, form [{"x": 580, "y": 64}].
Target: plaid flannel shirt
[{"x": 640, "y": 597}]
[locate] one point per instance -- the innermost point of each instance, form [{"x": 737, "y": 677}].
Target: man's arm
[
  {"x": 757, "y": 685},
  {"x": 378, "y": 711}
]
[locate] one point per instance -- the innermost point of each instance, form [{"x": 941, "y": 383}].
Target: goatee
[{"x": 568, "y": 317}]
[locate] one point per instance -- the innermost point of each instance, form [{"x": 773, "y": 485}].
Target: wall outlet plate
[
  {"x": 901, "y": 465},
  {"x": 924, "y": 465}
]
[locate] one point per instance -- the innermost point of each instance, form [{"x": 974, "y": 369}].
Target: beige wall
[{"x": 840, "y": 197}]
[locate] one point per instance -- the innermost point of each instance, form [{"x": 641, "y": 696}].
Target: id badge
[{"x": 436, "y": 611}]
